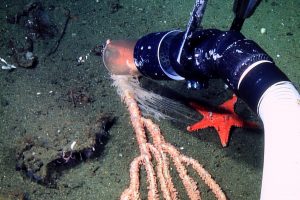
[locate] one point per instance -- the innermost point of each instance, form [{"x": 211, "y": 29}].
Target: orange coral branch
[{"x": 160, "y": 150}]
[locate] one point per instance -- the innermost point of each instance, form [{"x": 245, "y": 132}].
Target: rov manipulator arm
[
  {"x": 247, "y": 69},
  {"x": 251, "y": 73}
]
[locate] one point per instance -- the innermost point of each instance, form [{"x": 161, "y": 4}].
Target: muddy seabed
[{"x": 65, "y": 96}]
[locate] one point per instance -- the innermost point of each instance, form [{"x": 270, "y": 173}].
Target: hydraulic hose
[
  {"x": 254, "y": 77},
  {"x": 279, "y": 109}
]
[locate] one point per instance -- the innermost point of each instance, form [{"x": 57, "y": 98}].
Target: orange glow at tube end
[{"x": 118, "y": 57}]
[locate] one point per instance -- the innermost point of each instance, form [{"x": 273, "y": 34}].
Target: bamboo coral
[{"x": 161, "y": 151}]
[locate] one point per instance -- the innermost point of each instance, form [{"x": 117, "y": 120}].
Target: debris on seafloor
[
  {"x": 44, "y": 161},
  {"x": 39, "y": 22},
  {"x": 57, "y": 43},
  {"x": 14, "y": 195},
  {"x": 22, "y": 55},
  {"x": 6, "y": 66},
  {"x": 35, "y": 19},
  {"x": 115, "y": 6},
  {"x": 98, "y": 49},
  {"x": 79, "y": 96}
]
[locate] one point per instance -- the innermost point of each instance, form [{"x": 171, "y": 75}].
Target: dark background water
[{"x": 36, "y": 105}]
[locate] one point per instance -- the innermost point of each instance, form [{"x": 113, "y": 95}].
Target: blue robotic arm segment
[{"x": 209, "y": 54}]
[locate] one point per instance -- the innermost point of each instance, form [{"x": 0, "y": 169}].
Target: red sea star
[{"x": 221, "y": 121}]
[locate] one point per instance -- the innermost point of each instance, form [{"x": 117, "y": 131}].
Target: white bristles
[{"x": 151, "y": 104}]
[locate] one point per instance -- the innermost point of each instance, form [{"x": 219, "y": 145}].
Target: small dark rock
[
  {"x": 79, "y": 96},
  {"x": 115, "y": 6},
  {"x": 98, "y": 50},
  {"x": 4, "y": 102}
]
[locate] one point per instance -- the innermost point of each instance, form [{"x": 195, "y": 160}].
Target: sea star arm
[{"x": 221, "y": 121}]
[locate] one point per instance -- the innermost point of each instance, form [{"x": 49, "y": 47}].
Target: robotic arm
[{"x": 196, "y": 55}]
